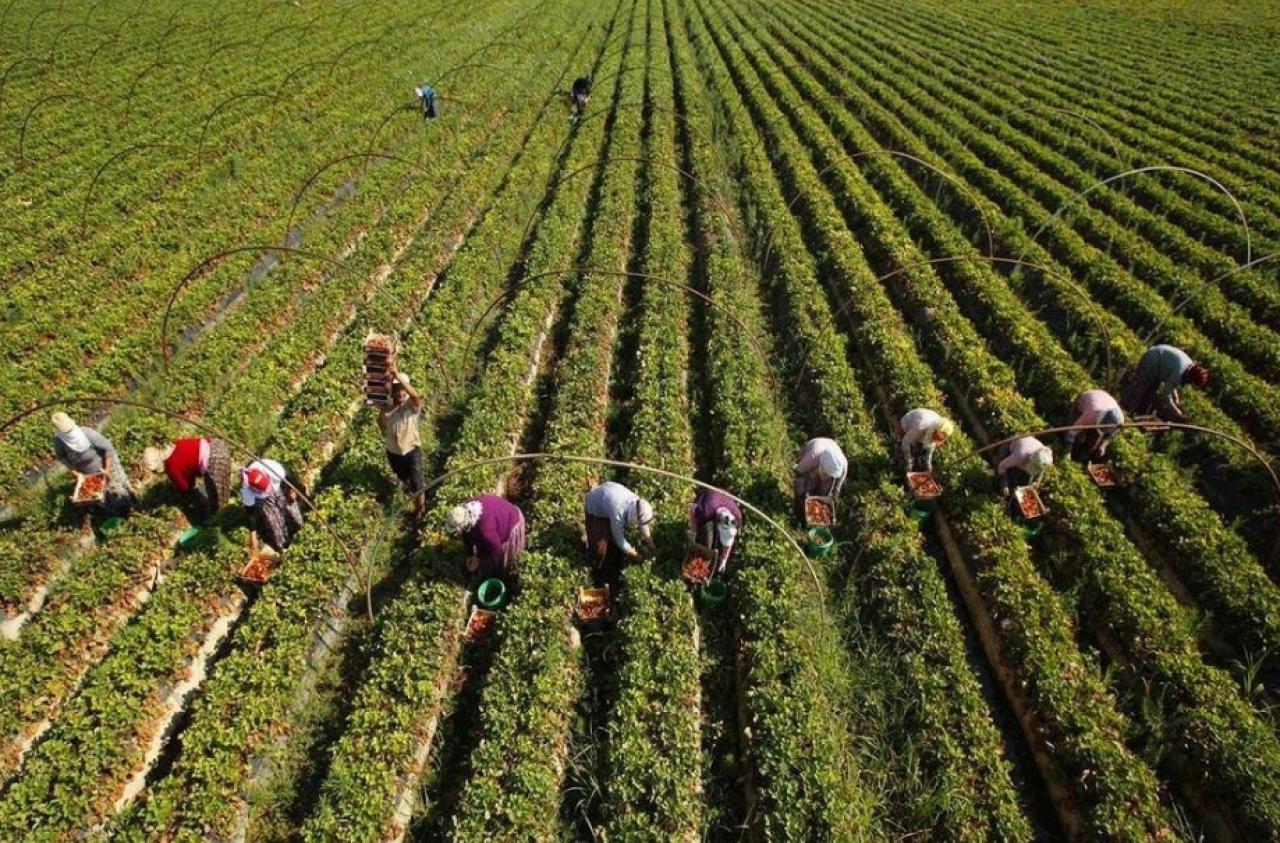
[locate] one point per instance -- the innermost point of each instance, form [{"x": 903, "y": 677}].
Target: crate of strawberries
[
  {"x": 91, "y": 489},
  {"x": 697, "y": 565},
  {"x": 819, "y": 511},
  {"x": 592, "y": 605},
  {"x": 380, "y": 352}
]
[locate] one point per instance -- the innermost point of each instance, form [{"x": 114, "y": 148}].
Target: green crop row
[
  {"x": 653, "y": 746},
  {"x": 1121, "y": 594},
  {"x": 366, "y": 753},
  {"x": 514, "y": 782},
  {"x": 1213, "y": 559},
  {"x": 1074, "y": 713}
]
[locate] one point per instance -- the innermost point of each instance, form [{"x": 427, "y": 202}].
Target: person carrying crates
[
  {"x": 1152, "y": 386},
  {"x": 189, "y": 460},
  {"x": 923, "y": 431},
  {"x": 399, "y": 426},
  {"x": 1097, "y": 407},
  {"x": 429, "y": 100},
  {"x": 274, "y": 514},
  {"x": 612, "y": 509},
  {"x": 87, "y": 452},
  {"x": 714, "y": 521},
  {"x": 493, "y": 533},
  {"x": 821, "y": 470}
]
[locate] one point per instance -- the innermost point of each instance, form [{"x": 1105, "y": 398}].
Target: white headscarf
[
  {"x": 726, "y": 526},
  {"x": 70, "y": 433},
  {"x": 832, "y": 463},
  {"x": 464, "y": 516}
]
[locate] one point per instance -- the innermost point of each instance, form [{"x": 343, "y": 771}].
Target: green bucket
[
  {"x": 713, "y": 593},
  {"x": 819, "y": 541},
  {"x": 491, "y": 594},
  {"x": 188, "y": 538},
  {"x": 109, "y": 526},
  {"x": 920, "y": 510}
]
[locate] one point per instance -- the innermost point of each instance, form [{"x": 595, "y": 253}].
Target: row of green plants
[
  {"x": 122, "y": 352},
  {"x": 1074, "y": 713},
  {"x": 1114, "y": 105},
  {"x": 317, "y": 592},
  {"x": 1210, "y": 557},
  {"x": 493, "y": 419},
  {"x": 1032, "y": 134},
  {"x": 517, "y": 770},
  {"x": 652, "y": 745},
  {"x": 1120, "y": 593}
]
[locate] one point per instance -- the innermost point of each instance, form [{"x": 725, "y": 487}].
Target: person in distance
[
  {"x": 399, "y": 426},
  {"x": 581, "y": 94},
  {"x": 274, "y": 515},
  {"x": 86, "y": 451},
  {"x": 923, "y": 432},
  {"x": 1094, "y": 406},
  {"x": 1153, "y": 384},
  {"x": 611, "y": 510},
  {"x": 1022, "y": 462},
  {"x": 493, "y": 533},
  {"x": 189, "y": 460},
  {"x": 820, "y": 470},
  {"x": 714, "y": 521}
]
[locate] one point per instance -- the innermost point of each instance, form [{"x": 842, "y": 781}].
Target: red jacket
[{"x": 183, "y": 465}]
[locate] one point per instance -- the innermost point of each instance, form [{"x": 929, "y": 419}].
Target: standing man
[
  {"x": 1153, "y": 384},
  {"x": 399, "y": 426},
  {"x": 612, "y": 509},
  {"x": 821, "y": 470},
  {"x": 86, "y": 451},
  {"x": 189, "y": 460},
  {"x": 1094, "y": 406},
  {"x": 274, "y": 514},
  {"x": 714, "y": 520},
  {"x": 493, "y": 533}
]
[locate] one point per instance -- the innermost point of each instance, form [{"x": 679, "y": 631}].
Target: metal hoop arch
[
  {"x": 1211, "y": 282},
  {"x": 670, "y": 475},
  {"x": 246, "y": 95},
  {"x": 333, "y": 162},
  {"x": 1074, "y": 200},
  {"x": 22, "y": 135},
  {"x": 1079, "y": 115},
  {"x": 102, "y": 168}
]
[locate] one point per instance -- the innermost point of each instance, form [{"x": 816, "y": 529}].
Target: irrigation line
[
  {"x": 671, "y": 475},
  {"x": 1250, "y": 265},
  {"x": 1078, "y": 197},
  {"x": 1155, "y": 426},
  {"x": 212, "y": 431}
]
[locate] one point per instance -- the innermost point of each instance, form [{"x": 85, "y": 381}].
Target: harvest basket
[
  {"x": 1103, "y": 474},
  {"x": 819, "y": 511},
  {"x": 923, "y": 486},
  {"x": 90, "y": 490},
  {"x": 1030, "y": 506},
  {"x": 259, "y": 567},
  {"x": 480, "y": 624},
  {"x": 697, "y": 564},
  {"x": 380, "y": 352},
  {"x": 593, "y": 605}
]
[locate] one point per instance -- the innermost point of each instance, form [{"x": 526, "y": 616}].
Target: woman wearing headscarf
[
  {"x": 1094, "y": 406},
  {"x": 611, "y": 510},
  {"x": 196, "y": 459},
  {"x": 714, "y": 521},
  {"x": 86, "y": 451},
  {"x": 820, "y": 470},
  {"x": 1152, "y": 386},
  {"x": 1022, "y": 462},
  {"x": 493, "y": 532},
  {"x": 274, "y": 514},
  {"x": 923, "y": 432}
]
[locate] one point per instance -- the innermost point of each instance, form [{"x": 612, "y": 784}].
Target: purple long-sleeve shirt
[
  {"x": 498, "y": 517},
  {"x": 703, "y": 511}
]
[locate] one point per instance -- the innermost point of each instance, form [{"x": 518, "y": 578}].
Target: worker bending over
[
  {"x": 714, "y": 520},
  {"x": 821, "y": 470},
  {"x": 86, "y": 451},
  {"x": 399, "y": 426},
  {"x": 1022, "y": 463},
  {"x": 189, "y": 460},
  {"x": 429, "y": 100},
  {"x": 612, "y": 509},
  {"x": 1094, "y": 406},
  {"x": 1153, "y": 384},
  {"x": 923, "y": 431},
  {"x": 274, "y": 515},
  {"x": 493, "y": 533}
]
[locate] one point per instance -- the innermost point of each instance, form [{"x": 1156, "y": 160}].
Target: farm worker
[
  {"x": 430, "y": 102},
  {"x": 1094, "y": 406},
  {"x": 1022, "y": 462},
  {"x": 714, "y": 520},
  {"x": 86, "y": 451},
  {"x": 399, "y": 427},
  {"x": 493, "y": 531},
  {"x": 923, "y": 431},
  {"x": 1153, "y": 384},
  {"x": 821, "y": 470},
  {"x": 273, "y": 507},
  {"x": 189, "y": 460},
  {"x": 581, "y": 93},
  {"x": 611, "y": 509}
]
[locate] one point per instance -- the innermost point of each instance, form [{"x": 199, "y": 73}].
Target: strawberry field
[{"x": 771, "y": 222}]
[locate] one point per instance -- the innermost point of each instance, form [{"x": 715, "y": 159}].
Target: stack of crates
[{"x": 379, "y": 362}]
